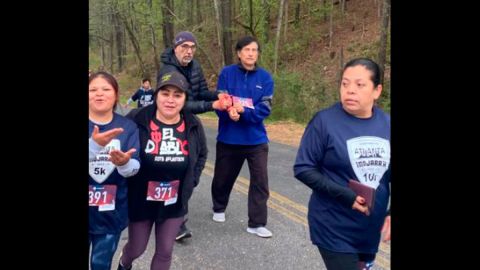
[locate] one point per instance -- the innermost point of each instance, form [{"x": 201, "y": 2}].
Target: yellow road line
[
  {"x": 273, "y": 195},
  {"x": 291, "y": 215},
  {"x": 276, "y": 202}
]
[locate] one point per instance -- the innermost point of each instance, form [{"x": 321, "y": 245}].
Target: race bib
[
  {"x": 163, "y": 191},
  {"x": 102, "y": 196},
  {"x": 245, "y": 102}
]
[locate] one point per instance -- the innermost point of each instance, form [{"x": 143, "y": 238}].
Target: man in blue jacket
[{"x": 242, "y": 135}]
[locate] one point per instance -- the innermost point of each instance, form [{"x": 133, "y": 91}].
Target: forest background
[{"x": 304, "y": 43}]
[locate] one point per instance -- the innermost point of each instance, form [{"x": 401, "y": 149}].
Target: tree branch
[{"x": 247, "y": 27}]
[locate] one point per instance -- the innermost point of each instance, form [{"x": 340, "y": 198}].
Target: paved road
[{"x": 228, "y": 246}]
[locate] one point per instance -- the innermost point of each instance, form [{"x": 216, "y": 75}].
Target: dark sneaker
[{"x": 183, "y": 233}]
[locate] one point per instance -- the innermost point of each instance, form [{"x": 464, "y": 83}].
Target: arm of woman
[
  {"x": 309, "y": 160},
  {"x": 202, "y": 154},
  {"x": 128, "y": 163},
  {"x": 386, "y": 229},
  {"x": 99, "y": 140}
]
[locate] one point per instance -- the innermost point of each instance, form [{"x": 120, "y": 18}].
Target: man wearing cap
[
  {"x": 199, "y": 98},
  {"x": 180, "y": 58}
]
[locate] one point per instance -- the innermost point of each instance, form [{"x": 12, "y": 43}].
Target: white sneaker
[
  {"x": 260, "y": 231},
  {"x": 219, "y": 217}
]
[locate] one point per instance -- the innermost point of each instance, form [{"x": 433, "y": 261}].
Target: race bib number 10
[
  {"x": 102, "y": 196},
  {"x": 163, "y": 191}
]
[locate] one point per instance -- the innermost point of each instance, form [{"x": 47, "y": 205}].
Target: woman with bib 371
[{"x": 173, "y": 154}]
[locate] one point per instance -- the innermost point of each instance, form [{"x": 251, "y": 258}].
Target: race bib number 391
[
  {"x": 163, "y": 191},
  {"x": 102, "y": 196}
]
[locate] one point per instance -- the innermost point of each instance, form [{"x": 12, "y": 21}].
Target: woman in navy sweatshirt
[
  {"x": 348, "y": 141},
  {"x": 113, "y": 156}
]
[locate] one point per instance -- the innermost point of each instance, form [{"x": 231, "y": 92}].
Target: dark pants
[
  {"x": 346, "y": 261},
  {"x": 103, "y": 249},
  {"x": 138, "y": 234},
  {"x": 228, "y": 164}
]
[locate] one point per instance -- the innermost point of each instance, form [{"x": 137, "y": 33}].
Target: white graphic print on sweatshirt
[
  {"x": 100, "y": 168},
  {"x": 369, "y": 157}
]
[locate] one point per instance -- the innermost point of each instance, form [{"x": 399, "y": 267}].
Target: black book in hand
[{"x": 367, "y": 192}]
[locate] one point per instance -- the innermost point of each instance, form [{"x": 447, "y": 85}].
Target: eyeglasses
[{"x": 185, "y": 47}]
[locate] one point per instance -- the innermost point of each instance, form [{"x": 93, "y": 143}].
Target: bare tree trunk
[
  {"x": 110, "y": 52},
  {"x": 340, "y": 67},
  {"x": 102, "y": 42},
  {"x": 136, "y": 46},
  {"x": 199, "y": 15},
  {"x": 266, "y": 20},
  {"x": 218, "y": 25},
  {"x": 118, "y": 40},
  {"x": 325, "y": 13},
  {"x": 250, "y": 6},
  {"x": 382, "y": 54},
  {"x": 297, "y": 13},
  {"x": 167, "y": 9},
  {"x": 379, "y": 9},
  {"x": 286, "y": 23},
  {"x": 189, "y": 8},
  {"x": 226, "y": 16},
  {"x": 124, "y": 46},
  {"x": 102, "y": 53},
  {"x": 330, "y": 29},
  {"x": 277, "y": 38},
  {"x": 154, "y": 38}
]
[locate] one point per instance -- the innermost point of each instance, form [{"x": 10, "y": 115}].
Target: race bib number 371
[{"x": 163, "y": 191}]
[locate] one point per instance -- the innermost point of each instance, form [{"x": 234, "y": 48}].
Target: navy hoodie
[{"x": 111, "y": 222}]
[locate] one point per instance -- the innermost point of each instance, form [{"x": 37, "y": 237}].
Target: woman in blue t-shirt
[
  {"x": 113, "y": 156},
  {"x": 349, "y": 141}
]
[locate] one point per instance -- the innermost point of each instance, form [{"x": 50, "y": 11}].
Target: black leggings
[
  {"x": 138, "y": 234},
  {"x": 346, "y": 261}
]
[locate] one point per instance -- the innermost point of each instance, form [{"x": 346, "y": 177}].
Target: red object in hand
[
  {"x": 226, "y": 100},
  {"x": 366, "y": 192}
]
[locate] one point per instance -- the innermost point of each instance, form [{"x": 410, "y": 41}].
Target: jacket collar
[
  {"x": 241, "y": 67},
  {"x": 168, "y": 57}
]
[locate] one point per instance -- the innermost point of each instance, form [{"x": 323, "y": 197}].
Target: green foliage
[
  {"x": 307, "y": 68},
  {"x": 298, "y": 98},
  {"x": 385, "y": 98},
  {"x": 266, "y": 57},
  {"x": 127, "y": 86},
  {"x": 209, "y": 115},
  {"x": 94, "y": 61}
]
